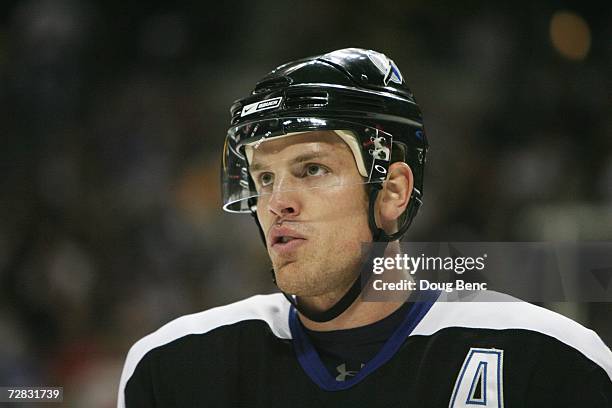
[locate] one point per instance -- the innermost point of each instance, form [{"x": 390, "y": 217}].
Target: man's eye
[
  {"x": 315, "y": 170},
  {"x": 265, "y": 179}
]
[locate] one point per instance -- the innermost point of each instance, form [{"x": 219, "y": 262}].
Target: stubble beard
[{"x": 312, "y": 275}]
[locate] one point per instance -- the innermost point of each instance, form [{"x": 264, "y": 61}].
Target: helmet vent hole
[
  {"x": 301, "y": 99},
  {"x": 269, "y": 85}
]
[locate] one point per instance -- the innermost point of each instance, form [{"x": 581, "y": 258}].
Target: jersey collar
[{"x": 313, "y": 366}]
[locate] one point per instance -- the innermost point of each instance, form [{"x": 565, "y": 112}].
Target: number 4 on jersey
[{"x": 480, "y": 380}]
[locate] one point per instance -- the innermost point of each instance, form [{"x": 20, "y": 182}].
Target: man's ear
[{"x": 393, "y": 198}]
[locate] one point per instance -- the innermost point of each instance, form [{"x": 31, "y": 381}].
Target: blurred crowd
[{"x": 113, "y": 118}]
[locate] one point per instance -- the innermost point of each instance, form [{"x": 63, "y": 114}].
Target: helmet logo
[
  {"x": 387, "y": 67},
  {"x": 379, "y": 151},
  {"x": 378, "y": 148},
  {"x": 261, "y": 105}
]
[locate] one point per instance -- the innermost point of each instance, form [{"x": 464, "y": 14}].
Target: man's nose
[{"x": 284, "y": 200}]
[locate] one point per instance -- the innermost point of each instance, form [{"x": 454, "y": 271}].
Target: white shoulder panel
[
  {"x": 493, "y": 310},
  {"x": 273, "y": 309}
]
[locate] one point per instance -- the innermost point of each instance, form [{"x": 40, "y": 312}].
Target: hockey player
[{"x": 328, "y": 153}]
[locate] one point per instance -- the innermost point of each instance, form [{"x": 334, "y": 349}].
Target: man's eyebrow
[{"x": 304, "y": 157}]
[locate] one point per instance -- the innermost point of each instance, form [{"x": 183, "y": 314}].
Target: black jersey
[{"x": 486, "y": 350}]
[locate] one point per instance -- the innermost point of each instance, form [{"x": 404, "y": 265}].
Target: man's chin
[{"x": 291, "y": 278}]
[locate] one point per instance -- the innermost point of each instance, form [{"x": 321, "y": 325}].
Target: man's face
[{"x": 312, "y": 207}]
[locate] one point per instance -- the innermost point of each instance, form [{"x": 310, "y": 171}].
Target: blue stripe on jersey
[{"x": 313, "y": 366}]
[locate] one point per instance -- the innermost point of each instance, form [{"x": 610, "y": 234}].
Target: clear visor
[{"x": 285, "y": 156}]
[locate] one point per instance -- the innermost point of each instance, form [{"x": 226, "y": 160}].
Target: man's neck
[
  {"x": 361, "y": 312},
  {"x": 358, "y": 314}
]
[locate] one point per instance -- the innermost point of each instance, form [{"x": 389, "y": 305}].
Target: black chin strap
[
  {"x": 378, "y": 236},
  {"x": 348, "y": 298},
  {"x": 364, "y": 274}
]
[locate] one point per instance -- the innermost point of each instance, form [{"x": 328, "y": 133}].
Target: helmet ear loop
[{"x": 378, "y": 234}]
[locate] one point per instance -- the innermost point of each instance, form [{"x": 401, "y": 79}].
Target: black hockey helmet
[{"x": 360, "y": 94}]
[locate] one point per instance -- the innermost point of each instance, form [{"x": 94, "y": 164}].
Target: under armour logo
[{"x": 343, "y": 372}]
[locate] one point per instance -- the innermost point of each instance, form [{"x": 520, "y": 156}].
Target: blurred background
[{"x": 113, "y": 118}]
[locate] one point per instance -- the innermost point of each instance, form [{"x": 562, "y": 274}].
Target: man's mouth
[{"x": 284, "y": 240}]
